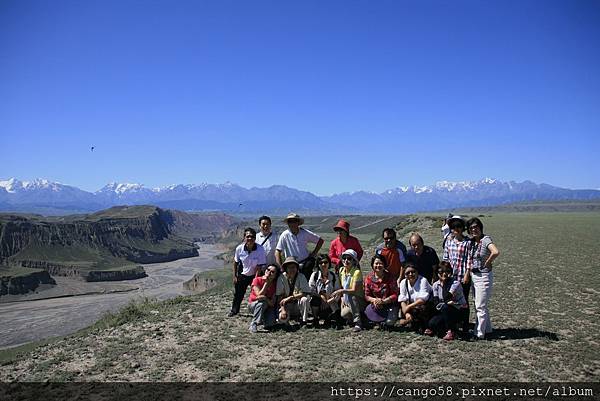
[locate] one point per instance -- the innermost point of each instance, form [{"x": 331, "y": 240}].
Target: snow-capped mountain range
[{"x": 18, "y": 195}]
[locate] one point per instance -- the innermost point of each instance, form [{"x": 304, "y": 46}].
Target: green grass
[
  {"x": 15, "y": 354},
  {"x": 529, "y": 207},
  {"x": 85, "y": 258},
  {"x": 136, "y": 311},
  {"x": 122, "y": 212},
  {"x": 15, "y": 271},
  {"x": 162, "y": 246},
  {"x": 544, "y": 310}
]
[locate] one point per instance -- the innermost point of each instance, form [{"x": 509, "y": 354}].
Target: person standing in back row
[
  {"x": 248, "y": 257},
  {"x": 294, "y": 241},
  {"x": 423, "y": 257},
  {"x": 393, "y": 251},
  {"x": 343, "y": 241},
  {"x": 267, "y": 238}
]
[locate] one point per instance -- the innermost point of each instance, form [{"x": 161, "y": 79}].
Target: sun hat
[
  {"x": 350, "y": 252},
  {"x": 455, "y": 218},
  {"x": 342, "y": 225},
  {"x": 294, "y": 216},
  {"x": 374, "y": 314},
  {"x": 290, "y": 260}
]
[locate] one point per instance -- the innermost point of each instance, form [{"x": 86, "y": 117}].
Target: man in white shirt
[
  {"x": 267, "y": 238},
  {"x": 249, "y": 256},
  {"x": 294, "y": 241}
]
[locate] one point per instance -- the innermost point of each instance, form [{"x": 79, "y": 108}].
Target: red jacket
[{"x": 337, "y": 248}]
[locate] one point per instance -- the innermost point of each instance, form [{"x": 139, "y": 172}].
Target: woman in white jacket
[
  {"x": 415, "y": 299},
  {"x": 323, "y": 283}
]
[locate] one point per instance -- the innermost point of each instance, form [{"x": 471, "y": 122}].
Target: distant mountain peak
[
  {"x": 124, "y": 187},
  {"x": 26, "y": 195},
  {"x": 227, "y": 184},
  {"x": 121, "y": 188},
  {"x": 13, "y": 185},
  {"x": 463, "y": 185},
  {"x": 419, "y": 190},
  {"x": 176, "y": 186}
]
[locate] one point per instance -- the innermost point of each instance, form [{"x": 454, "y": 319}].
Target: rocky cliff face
[
  {"x": 24, "y": 284},
  {"x": 77, "y": 273},
  {"x": 206, "y": 227},
  {"x": 54, "y": 269},
  {"x": 198, "y": 283},
  {"x": 70, "y": 246},
  {"x": 116, "y": 275}
]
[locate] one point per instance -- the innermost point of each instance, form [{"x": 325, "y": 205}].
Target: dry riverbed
[{"x": 73, "y": 305}]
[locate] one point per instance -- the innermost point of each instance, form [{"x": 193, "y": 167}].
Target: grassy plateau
[{"x": 544, "y": 310}]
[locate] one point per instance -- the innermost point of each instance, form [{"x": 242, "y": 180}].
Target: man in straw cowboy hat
[{"x": 294, "y": 241}]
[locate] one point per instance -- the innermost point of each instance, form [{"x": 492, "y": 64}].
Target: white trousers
[
  {"x": 297, "y": 309},
  {"x": 482, "y": 292}
]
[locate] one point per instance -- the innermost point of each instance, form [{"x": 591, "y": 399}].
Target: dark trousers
[
  {"x": 421, "y": 315},
  {"x": 325, "y": 312},
  {"x": 445, "y": 320},
  {"x": 307, "y": 266},
  {"x": 239, "y": 291},
  {"x": 317, "y": 304}
]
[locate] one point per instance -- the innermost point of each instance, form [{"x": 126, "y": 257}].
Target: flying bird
[{"x": 92, "y": 149}]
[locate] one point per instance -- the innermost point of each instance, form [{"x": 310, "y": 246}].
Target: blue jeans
[
  {"x": 353, "y": 309},
  {"x": 262, "y": 313}
]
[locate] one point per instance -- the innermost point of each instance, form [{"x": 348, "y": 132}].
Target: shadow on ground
[{"x": 521, "y": 334}]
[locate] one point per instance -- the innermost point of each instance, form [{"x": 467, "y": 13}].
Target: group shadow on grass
[{"x": 509, "y": 333}]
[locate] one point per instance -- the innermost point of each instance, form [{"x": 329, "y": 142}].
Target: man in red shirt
[
  {"x": 261, "y": 302},
  {"x": 343, "y": 242},
  {"x": 394, "y": 252}
]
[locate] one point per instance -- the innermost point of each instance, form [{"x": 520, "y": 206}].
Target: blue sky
[{"x": 324, "y": 96}]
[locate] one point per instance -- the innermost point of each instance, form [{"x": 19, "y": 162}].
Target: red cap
[{"x": 342, "y": 224}]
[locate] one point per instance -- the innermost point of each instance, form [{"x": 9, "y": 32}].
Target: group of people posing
[{"x": 409, "y": 287}]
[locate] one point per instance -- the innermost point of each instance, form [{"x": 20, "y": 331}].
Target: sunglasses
[
  {"x": 410, "y": 272},
  {"x": 347, "y": 258},
  {"x": 250, "y": 237},
  {"x": 447, "y": 273}
]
